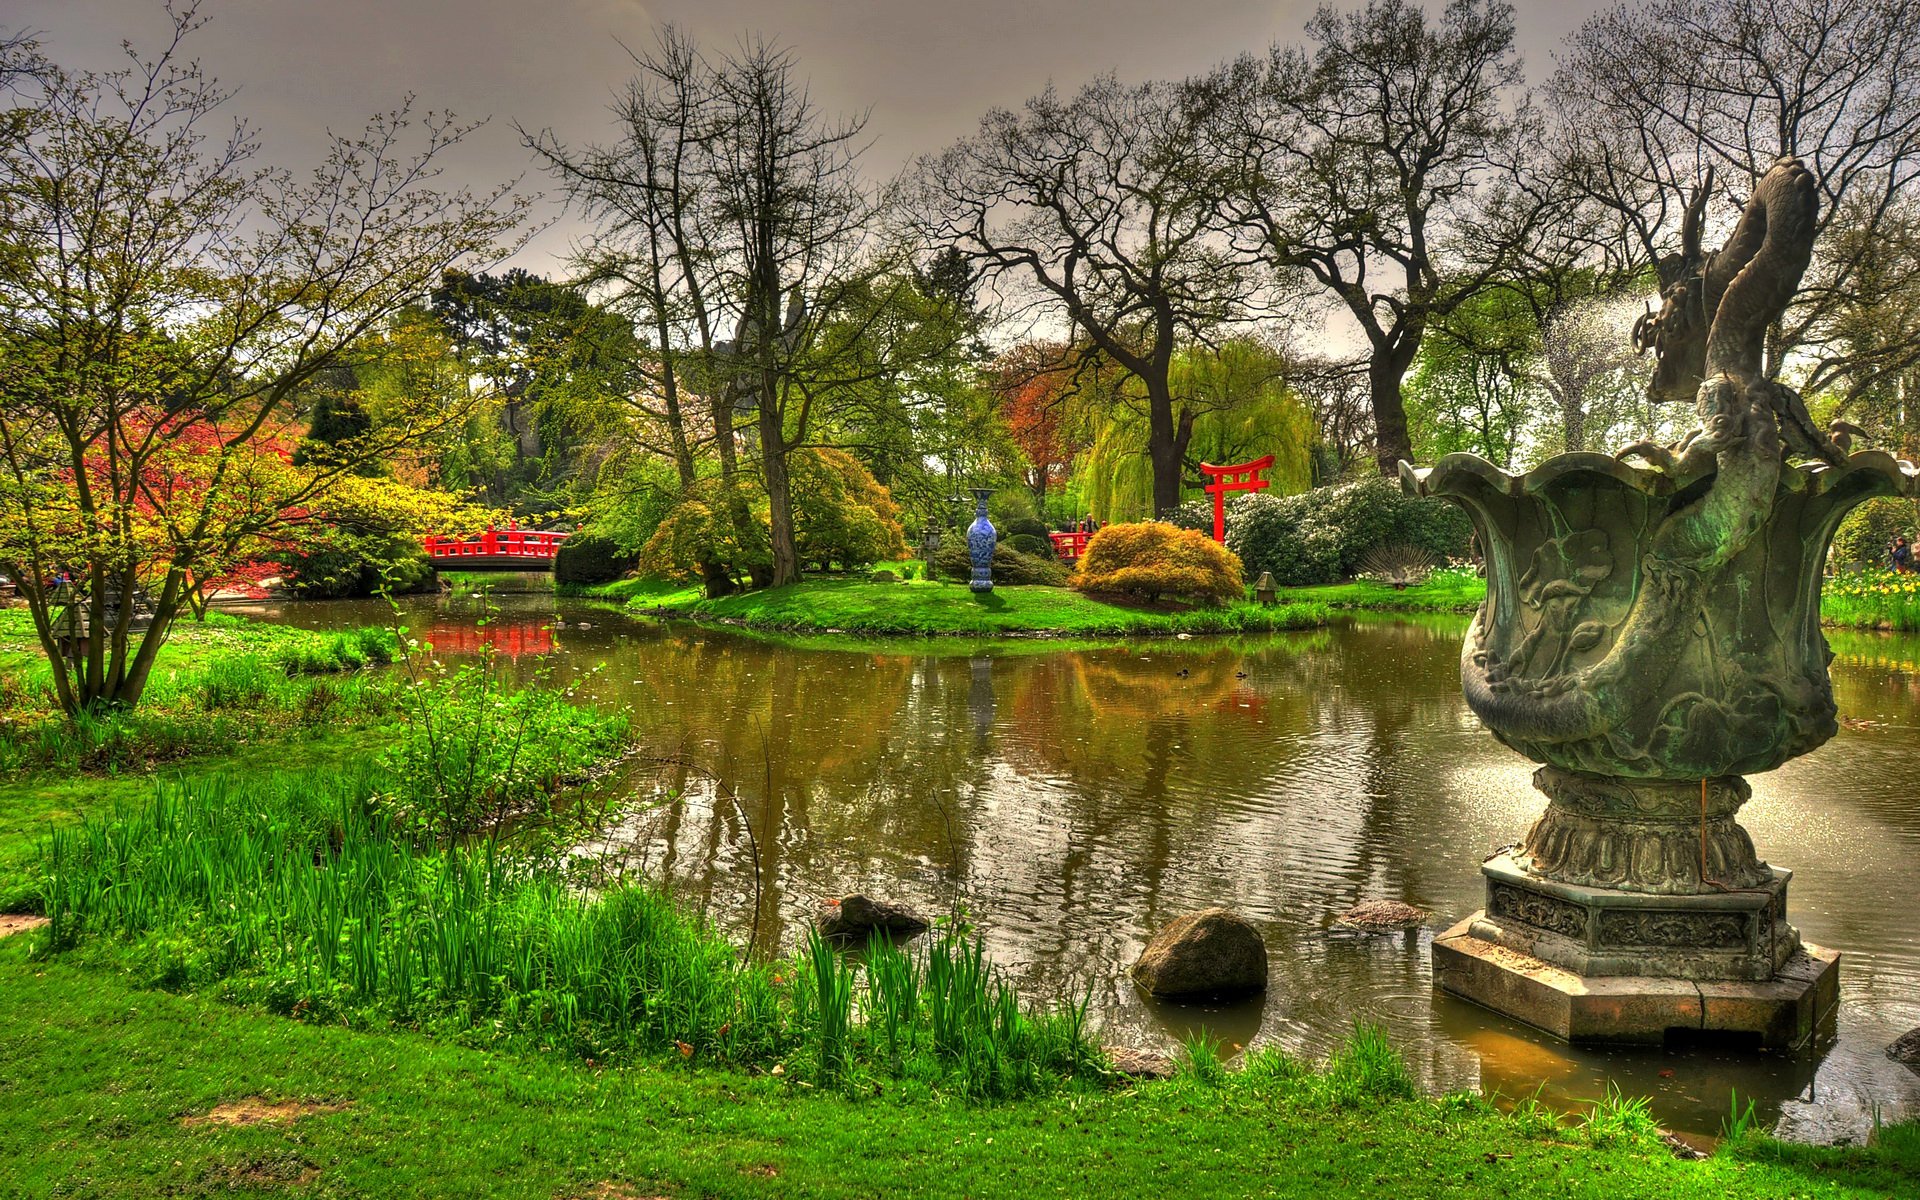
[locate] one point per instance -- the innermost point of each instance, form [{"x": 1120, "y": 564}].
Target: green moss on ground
[{"x": 102, "y": 1077}]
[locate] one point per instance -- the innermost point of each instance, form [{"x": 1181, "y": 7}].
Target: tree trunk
[
  {"x": 1392, "y": 443},
  {"x": 736, "y": 504},
  {"x": 1167, "y": 439},
  {"x": 773, "y": 460},
  {"x": 1573, "y": 424}
]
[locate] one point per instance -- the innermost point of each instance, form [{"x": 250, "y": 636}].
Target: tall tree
[
  {"x": 164, "y": 302},
  {"x": 1385, "y": 167},
  {"x": 734, "y": 225},
  {"x": 1097, "y": 213},
  {"x": 554, "y": 360}
]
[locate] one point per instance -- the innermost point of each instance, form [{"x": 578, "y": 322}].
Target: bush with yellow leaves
[{"x": 1151, "y": 559}]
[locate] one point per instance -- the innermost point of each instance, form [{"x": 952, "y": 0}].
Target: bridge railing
[
  {"x": 1070, "y": 546},
  {"x": 496, "y": 543}
]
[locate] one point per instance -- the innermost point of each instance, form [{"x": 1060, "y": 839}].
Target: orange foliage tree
[{"x": 1034, "y": 384}]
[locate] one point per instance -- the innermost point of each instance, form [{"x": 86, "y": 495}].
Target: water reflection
[{"x": 1070, "y": 801}]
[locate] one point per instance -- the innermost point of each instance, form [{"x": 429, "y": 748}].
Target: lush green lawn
[
  {"x": 226, "y": 695},
  {"x": 99, "y": 1076},
  {"x": 1447, "y": 591},
  {"x": 921, "y": 607}
]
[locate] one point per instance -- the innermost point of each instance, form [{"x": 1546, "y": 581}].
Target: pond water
[{"x": 1072, "y": 800}]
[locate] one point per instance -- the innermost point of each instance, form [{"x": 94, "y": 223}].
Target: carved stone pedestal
[
  {"x": 1603, "y": 931},
  {"x": 1636, "y": 909},
  {"x": 1785, "y": 1012}
]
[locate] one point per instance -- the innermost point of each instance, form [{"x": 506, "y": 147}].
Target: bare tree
[
  {"x": 1096, "y": 213},
  {"x": 735, "y": 225},
  {"x": 1386, "y": 167},
  {"x": 1663, "y": 103}
]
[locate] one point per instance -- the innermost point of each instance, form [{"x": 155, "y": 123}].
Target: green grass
[
  {"x": 308, "y": 897},
  {"x": 923, "y": 608},
  {"x": 1872, "y": 600},
  {"x": 1443, "y": 592},
  {"x": 99, "y": 1074},
  {"x": 216, "y": 685}
]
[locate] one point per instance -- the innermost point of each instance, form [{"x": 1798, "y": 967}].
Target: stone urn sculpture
[
  {"x": 1651, "y": 634},
  {"x": 981, "y": 539}
]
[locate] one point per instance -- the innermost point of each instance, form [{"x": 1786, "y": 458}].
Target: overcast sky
[{"x": 924, "y": 71}]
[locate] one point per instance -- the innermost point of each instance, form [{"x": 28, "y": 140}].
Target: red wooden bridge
[
  {"x": 495, "y": 550},
  {"x": 1070, "y": 546}
]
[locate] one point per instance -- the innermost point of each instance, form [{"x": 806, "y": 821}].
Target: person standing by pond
[{"x": 1901, "y": 555}]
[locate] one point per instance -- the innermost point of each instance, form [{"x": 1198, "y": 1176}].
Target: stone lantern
[{"x": 1651, "y": 634}]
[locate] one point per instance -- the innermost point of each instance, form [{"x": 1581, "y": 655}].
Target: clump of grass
[
  {"x": 1199, "y": 1063},
  {"x": 1740, "y": 1122},
  {"x": 1366, "y": 1069},
  {"x": 1534, "y": 1118},
  {"x": 1616, "y": 1118},
  {"x": 1270, "y": 1066}
]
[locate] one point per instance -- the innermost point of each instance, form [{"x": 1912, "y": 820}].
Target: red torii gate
[{"x": 1243, "y": 477}]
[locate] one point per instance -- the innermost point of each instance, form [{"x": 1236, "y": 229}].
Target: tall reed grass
[{"x": 311, "y": 901}]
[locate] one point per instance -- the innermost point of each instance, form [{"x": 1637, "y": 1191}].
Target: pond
[{"x": 1070, "y": 800}]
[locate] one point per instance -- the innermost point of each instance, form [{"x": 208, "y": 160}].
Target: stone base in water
[
  {"x": 1783, "y": 1012},
  {"x": 1734, "y": 933}
]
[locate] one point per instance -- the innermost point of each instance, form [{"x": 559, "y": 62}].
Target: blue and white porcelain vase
[{"x": 981, "y": 537}]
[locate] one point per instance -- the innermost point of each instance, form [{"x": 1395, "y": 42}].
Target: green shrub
[
  {"x": 841, "y": 513},
  {"x": 1194, "y": 514},
  {"x": 331, "y": 568},
  {"x": 1866, "y": 533},
  {"x": 1010, "y": 567},
  {"x": 472, "y": 752},
  {"x": 1026, "y": 543},
  {"x": 1023, "y": 527},
  {"x": 590, "y": 558},
  {"x": 1321, "y": 536},
  {"x": 1008, "y": 505},
  {"x": 1151, "y": 559}
]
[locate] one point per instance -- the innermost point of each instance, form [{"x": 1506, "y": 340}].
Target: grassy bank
[
  {"x": 1872, "y": 601},
  {"x": 215, "y": 685},
  {"x": 1444, "y": 592},
  {"x": 106, "y": 1081},
  {"x": 924, "y": 608},
  {"x": 463, "y": 1018}
]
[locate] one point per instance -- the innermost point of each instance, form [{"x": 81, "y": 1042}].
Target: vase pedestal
[
  {"x": 1740, "y": 935},
  {"x": 1785, "y": 1012}
]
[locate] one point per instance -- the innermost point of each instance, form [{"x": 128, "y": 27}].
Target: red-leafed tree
[{"x": 165, "y": 303}]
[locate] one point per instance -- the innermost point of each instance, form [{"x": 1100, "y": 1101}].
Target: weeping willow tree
[{"x": 1245, "y": 409}]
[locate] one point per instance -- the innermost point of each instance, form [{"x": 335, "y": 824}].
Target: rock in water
[
  {"x": 856, "y": 917},
  {"x": 1384, "y": 916},
  {"x": 1139, "y": 1064},
  {"x": 1906, "y": 1049},
  {"x": 1210, "y": 952}
]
